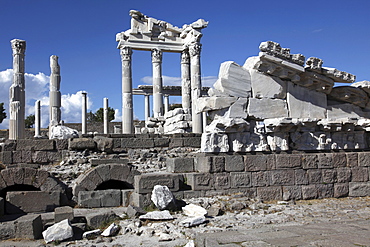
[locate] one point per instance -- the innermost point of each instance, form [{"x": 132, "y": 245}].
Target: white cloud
[{"x": 207, "y": 81}]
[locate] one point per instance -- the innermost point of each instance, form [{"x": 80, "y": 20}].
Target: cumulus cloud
[{"x": 207, "y": 81}]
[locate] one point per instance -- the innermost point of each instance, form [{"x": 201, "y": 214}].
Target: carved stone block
[
  {"x": 267, "y": 108},
  {"x": 240, "y": 179}
]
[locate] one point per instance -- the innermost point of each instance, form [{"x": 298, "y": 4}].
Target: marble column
[
  {"x": 147, "y": 107},
  {"x": 106, "y": 120},
  {"x": 17, "y": 92},
  {"x": 84, "y": 111},
  {"x": 166, "y": 103},
  {"x": 196, "y": 86},
  {"x": 54, "y": 93},
  {"x": 157, "y": 83},
  {"x": 37, "y": 119},
  {"x": 127, "y": 107},
  {"x": 185, "y": 81}
]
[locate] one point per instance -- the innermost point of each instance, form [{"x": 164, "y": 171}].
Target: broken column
[
  {"x": 127, "y": 109},
  {"x": 196, "y": 86},
  {"x": 166, "y": 103},
  {"x": 185, "y": 81},
  {"x": 157, "y": 83},
  {"x": 106, "y": 120},
  {"x": 54, "y": 94},
  {"x": 84, "y": 110},
  {"x": 37, "y": 118},
  {"x": 17, "y": 92},
  {"x": 147, "y": 108}
]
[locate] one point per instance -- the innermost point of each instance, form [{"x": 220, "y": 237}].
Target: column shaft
[
  {"x": 166, "y": 102},
  {"x": 106, "y": 120},
  {"x": 37, "y": 118},
  {"x": 196, "y": 85},
  {"x": 147, "y": 107},
  {"x": 84, "y": 110},
  {"x": 185, "y": 82},
  {"x": 127, "y": 107},
  {"x": 157, "y": 83}
]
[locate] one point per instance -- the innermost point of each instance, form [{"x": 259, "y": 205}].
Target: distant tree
[
  {"x": 29, "y": 121},
  {"x": 91, "y": 117},
  {"x": 99, "y": 114},
  {"x": 2, "y": 112}
]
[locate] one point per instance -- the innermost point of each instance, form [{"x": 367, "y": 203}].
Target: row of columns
[{"x": 191, "y": 86}]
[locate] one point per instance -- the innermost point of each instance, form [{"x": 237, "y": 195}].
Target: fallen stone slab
[
  {"x": 58, "y": 232},
  {"x": 157, "y": 215},
  {"x": 193, "y": 210},
  {"x": 91, "y": 234},
  {"x": 162, "y": 197},
  {"x": 194, "y": 221}
]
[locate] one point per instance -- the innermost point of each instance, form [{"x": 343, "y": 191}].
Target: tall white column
[
  {"x": 37, "y": 118},
  {"x": 166, "y": 103},
  {"x": 84, "y": 110},
  {"x": 106, "y": 120},
  {"x": 196, "y": 86},
  {"x": 17, "y": 92},
  {"x": 185, "y": 81},
  {"x": 157, "y": 83},
  {"x": 147, "y": 107},
  {"x": 127, "y": 108},
  {"x": 54, "y": 93}
]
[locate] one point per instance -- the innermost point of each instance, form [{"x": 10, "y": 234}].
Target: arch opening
[
  {"x": 18, "y": 187},
  {"x": 114, "y": 184}
]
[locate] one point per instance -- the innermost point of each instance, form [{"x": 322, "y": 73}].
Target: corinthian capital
[
  {"x": 156, "y": 56},
  {"x": 18, "y": 46},
  {"x": 195, "y": 50},
  {"x": 185, "y": 57},
  {"x": 126, "y": 53}
]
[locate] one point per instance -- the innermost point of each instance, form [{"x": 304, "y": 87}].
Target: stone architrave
[
  {"x": 185, "y": 81},
  {"x": 127, "y": 108},
  {"x": 84, "y": 111},
  {"x": 353, "y": 95},
  {"x": 157, "y": 83},
  {"x": 306, "y": 103},
  {"x": 267, "y": 108},
  {"x": 196, "y": 86},
  {"x": 214, "y": 142},
  {"x": 233, "y": 80},
  {"x": 17, "y": 92},
  {"x": 364, "y": 85},
  {"x": 37, "y": 119},
  {"x": 54, "y": 94}
]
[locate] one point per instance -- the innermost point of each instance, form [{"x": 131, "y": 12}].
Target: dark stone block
[
  {"x": 261, "y": 178},
  {"x": 288, "y": 161},
  {"x": 314, "y": 176},
  {"x": 344, "y": 175},
  {"x": 309, "y": 192},
  {"x": 339, "y": 160},
  {"x": 329, "y": 176},
  {"x": 310, "y": 161},
  {"x": 360, "y": 174},
  {"x": 240, "y": 179},
  {"x": 259, "y": 162},
  {"x": 176, "y": 142},
  {"x": 292, "y": 193},
  {"x": 352, "y": 159},
  {"x": 364, "y": 159},
  {"x": 325, "y": 160},
  {"x": 301, "y": 177},
  {"x": 192, "y": 142},
  {"x": 341, "y": 190},
  {"x": 282, "y": 177},
  {"x": 270, "y": 193},
  {"x": 221, "y": 181},
  {"x": 137, "y": 143},
  {"x": 234, "y": 163},
  {"x": 162, "y": 142},
  {"x": 180, "y": 165}
]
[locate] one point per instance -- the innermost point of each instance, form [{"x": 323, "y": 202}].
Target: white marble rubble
[
  {"x": 162, "y": 197},
  {"x": 58, "y": 232},
  {"x": 193, "y": 210}
]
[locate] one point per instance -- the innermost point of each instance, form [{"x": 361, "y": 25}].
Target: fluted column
[
  {"x": 157, "y": 83},
  {"x": 37, "y": 118},
  {"x": 147, "y": 107},
  {"x": 84, "y": 110},
  {"x": 196, "y": 86},
  {"x": 185, "y": 81},
  {"x": 166, "y": 103},
  {"x": 106, "y": 120},
  {"x": 17, "y": 92},
  {"x": 127, "y": 107}
]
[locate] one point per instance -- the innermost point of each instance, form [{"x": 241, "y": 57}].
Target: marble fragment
[
  {"x": 267, "y": 108},
  {"x": 193, "y": 221},
  {"x": 58, "y": 232},
  {"x": 214, "y": 142},
  {"x": 193, "y": 210},
  {"x": 157, "y": 215},
  {"x": 162, "y": 197},
  {"x": 353, "y": 95}
]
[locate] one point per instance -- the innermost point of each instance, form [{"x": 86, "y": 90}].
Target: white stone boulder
[
  {"x": 58, "y": 232},
  {"x": 162, "y": 197},
  {"x": 157, "y": 215},
  {"x": 205, "y": 104},
  {"x": 91, "y": 234},
  {"x": 193, "y": 210},
  {"x": 193, "y": 221},
  {"x": 233, "y": 80},
  {"x": 62, "y": 132},
  {"x": 111, "y": 230}
]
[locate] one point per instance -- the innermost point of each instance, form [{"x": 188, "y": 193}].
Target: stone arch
[
  {"x": 103, "y": 173},
  {"x": 39, "y": 179}
]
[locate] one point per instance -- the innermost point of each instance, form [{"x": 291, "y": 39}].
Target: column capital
[
  {"x": 156, "y": 56},
  {"x": 195, "y": 49},
  {"x": 126, "y": 53},
  {"x": 185, "y": 57},
  {"x": 18, "y": 46}
]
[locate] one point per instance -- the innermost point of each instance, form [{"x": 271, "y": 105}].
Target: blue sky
[{"x": 82, "y": 33}]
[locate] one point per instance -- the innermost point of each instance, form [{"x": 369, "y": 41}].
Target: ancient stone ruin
[{"x": 278, "y": 129}]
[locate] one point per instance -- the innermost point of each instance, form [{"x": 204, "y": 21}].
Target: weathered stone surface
[
  {"x": 62, "y": 132},
  {"x": 91, "y": 234},
  {"x": 288, "y": 161},
  {"x": 364, "y": 85},
  {"x": 180, "y": 165},
  {"x": 193, "y": 210},
  {"x": 305, "y": 103},
  {"x": 104, "y": 144},
  {"x": 111, "y": 230},
  {"x": 353, "y": 95},
  {"x": 205, "y": 104},
  {"x": 325, "y": 160},
  {"x": 7, "y": 230},
  {"x": 100, "y": 198},
  {"x": 240, "y": 179},
  {"x": 58, "y": 232},
  {"x": 81, "y": 144},
  {"x": 329, "y": 176},
  {"x": 345, "y": 110},
  {"x": 259, "y": 162},
  {"x": 226, "y": 124},
  {"x": 31, "y": 201},
  {"x": 314, "y": 176},
  {"x": 325, "y": 190},
  {"x": 145, "y": 183},
  {"x": 221, "y": 181},
  {"x": 282, "y": 177},
  {"x": 62, "y": 213},
  {"x": 261, "y": 178},
  {"x": 359, "y": 189},
  {"x": 292, "y": 193},
  {"x": 137, "y": 143},
  {"x": 214, "y": 142},
  {"x": 344, "y": 175},
  {"x": 233, "y": 80},
  {"x": 309, "y": 192},
  {"x": 234, "y": 163},
  {"x": 157, "y": 215},
  {"x": 200, "y": 181},
  {"x": 301, "y": 177},
  {"x": 96, "y": 219},
  {"x": 267, "y": 108},
  {"x": 341, "y": 190},
  {"x": 162, "y": 197},
  {"x": 264, "y": 86},
  {"x": 194, "y": 221},
  {"x": 29, "y": 227},
  {"x": 338, "y": 76},
  {"x": 270, "y": 193},
  {"x": 360, "y": 174}
]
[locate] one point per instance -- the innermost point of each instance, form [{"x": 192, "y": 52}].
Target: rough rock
[
  {"x": 133, "y": 211},
  {"x": 364, "y": 85},
  {"x": 157, "y": 215},
  {"x": 58, "y": 232},
  {"x": 193, "y": 210},
  {"x": 162, "y": 197},
  {"x": 194, "y": 221},
  {"x": 91, "y": 234},
  {"x": 62, "y": 132},
  {"x": 111, "y": 230},
  {"x": 353, "y": 95}
]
